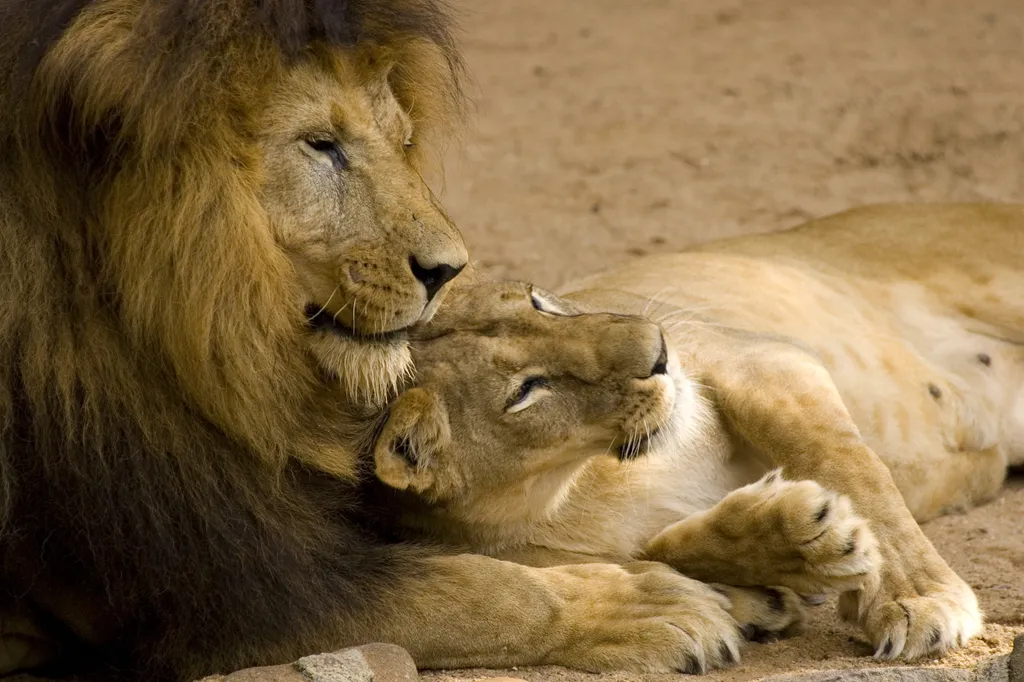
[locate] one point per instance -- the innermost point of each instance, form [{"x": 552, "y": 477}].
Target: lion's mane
[{"x": 155, "y": 397}]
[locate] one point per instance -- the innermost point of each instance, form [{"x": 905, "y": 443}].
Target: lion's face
[
  {"x": 516, "y": 390},
  {"x": 371, "y": 248}
]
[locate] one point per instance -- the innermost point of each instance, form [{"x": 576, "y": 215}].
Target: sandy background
[{"x": 605, "y": 129}]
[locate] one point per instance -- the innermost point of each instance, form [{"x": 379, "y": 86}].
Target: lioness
[{"x": 895, "y": 330}]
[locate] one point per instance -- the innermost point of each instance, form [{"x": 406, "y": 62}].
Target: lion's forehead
[{"x": 331, "y": 98}]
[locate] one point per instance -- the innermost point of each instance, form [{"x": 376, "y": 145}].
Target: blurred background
[{"x": 609, "y": 128}]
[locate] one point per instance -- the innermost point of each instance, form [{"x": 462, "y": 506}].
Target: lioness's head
[{"x": 516, "y": 389}]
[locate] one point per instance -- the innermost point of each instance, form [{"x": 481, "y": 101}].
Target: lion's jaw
[{"x": 370, "y": 369}]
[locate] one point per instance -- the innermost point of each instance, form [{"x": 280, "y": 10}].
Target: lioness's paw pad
[{"x": 765, "y": 614}]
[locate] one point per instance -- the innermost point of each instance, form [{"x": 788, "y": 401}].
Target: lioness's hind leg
[
  {"x": 764, "y": 614},
  {"x": 774, "y": 532}
]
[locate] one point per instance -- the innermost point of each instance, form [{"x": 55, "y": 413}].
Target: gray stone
[
  {"x": 993, "y": 669},
  {"x": 390, "y": 663},
  {"x": 368, "y": 663},
  {"x": 1016, "y": 662}
]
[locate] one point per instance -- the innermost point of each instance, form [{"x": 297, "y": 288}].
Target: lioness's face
[
  {"x": 515, "y": 391},
  {"x": 371, "y": 247}
]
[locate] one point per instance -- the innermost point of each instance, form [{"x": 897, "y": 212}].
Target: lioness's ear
[{"x": 416, "y": 432}]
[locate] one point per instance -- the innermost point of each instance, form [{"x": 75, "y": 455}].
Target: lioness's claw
[{"x": 912, "y": 627}]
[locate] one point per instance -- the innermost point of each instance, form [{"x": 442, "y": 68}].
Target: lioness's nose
[{"x": 433, "y": 278}]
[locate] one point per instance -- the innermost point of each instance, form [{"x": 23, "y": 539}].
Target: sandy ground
[{"x": 605, "y": 129}]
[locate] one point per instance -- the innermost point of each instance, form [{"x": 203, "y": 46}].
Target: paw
[
  {"x": 644, "y": 617},
  {"x": 814, "y": 538},
  {"x": 914, "y": 618},
  {"x": 764, "y": 614}
]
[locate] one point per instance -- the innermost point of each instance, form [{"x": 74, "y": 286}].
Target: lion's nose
[{"x": 433, "y": 278}]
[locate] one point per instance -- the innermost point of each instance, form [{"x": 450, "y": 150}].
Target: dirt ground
[{"x": 607, "y": 129}]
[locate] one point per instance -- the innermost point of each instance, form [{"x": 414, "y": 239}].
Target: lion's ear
[{"x": 417, "y": 432}]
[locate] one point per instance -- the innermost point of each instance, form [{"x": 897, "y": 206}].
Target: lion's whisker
[{"x": 326, "y": 303}]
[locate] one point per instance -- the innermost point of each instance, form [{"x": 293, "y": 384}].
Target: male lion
[
  {"x": 896, "y": 330},
  {"x": 214, "y": 236}
]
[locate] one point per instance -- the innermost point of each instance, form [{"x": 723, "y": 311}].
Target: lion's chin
[{"x": 370, "y": 370}]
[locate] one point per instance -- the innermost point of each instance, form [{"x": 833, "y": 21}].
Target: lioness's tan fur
[{"x": 889, "y": 335}]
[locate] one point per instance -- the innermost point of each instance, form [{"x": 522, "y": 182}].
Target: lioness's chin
[
  {"x": 370, "y": 369},
  {"x": 689, "y": 418},
  {"x": 642, "y": 428}
]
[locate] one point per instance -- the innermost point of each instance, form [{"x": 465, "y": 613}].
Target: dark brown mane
[
  {"x": 190, "y": 42},
  {"x": 293, "y": 25},
  {"x": 155, "y": 396}
]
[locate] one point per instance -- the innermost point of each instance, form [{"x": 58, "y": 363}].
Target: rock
[
  {"x": 367, "y": 663},
  {"x": 1016, "y": 662}
]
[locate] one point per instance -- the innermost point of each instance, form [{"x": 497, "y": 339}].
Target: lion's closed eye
[
  {"x": 527, "y": 393},
  {"x": 330, "y": 150}
]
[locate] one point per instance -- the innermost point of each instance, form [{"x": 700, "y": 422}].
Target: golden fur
[{"x": 890, "y": 330}]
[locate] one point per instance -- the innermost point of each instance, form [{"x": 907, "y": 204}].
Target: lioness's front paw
[
  {"x": 911, "y": 615},
  {"x": 837, "y": 550},
  {"x": 773, "y": 532},
  {"x": 764, "y": 614},
  {"x": 643, "y": 617}
]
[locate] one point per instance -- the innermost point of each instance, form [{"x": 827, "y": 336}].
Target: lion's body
[{"x": 892, "y": 330}]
